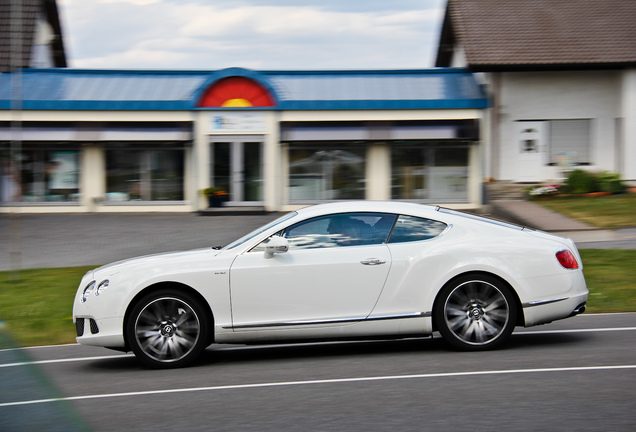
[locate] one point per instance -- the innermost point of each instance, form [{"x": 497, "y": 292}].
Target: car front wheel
[
  {"x": 167, "y": 329},
  {"x": 475, "y": 313}
]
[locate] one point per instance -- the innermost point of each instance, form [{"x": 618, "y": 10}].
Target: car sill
[{"x": 332, "y": 321}]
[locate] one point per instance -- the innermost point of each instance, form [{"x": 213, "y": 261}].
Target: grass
[
  {"x": 609, "y": 274},
  {"x": 37, "y": 308},
  {"x": 610, "y": 211}
]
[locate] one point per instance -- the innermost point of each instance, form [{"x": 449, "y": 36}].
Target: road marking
[
  {"x": 539, "y": 332},
  {"x": 37, "y": 347},
  {"x": 80, "y": 359},
  {"x": 317, "y": 382}
]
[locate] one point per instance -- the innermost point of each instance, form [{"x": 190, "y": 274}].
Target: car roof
[
  {"x": 368, "y": 206},
  {"x": 407, "y": 208}
]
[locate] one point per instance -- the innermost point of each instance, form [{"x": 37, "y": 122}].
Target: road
[
  {"x": 577, "y": 374},
  {"x": 66, "y": 240}
]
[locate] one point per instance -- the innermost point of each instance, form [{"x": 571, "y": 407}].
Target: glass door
[{"x": 236, "y": 169}]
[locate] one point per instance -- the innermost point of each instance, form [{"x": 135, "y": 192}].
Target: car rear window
[{"x": 411, "y": 228}]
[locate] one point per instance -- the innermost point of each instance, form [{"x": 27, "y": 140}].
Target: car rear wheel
[
  {"x": 167, "y": 329},
  {"x": 475, "y": 313}
]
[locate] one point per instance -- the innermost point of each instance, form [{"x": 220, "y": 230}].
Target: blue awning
[{"x": 121, "y": 90}]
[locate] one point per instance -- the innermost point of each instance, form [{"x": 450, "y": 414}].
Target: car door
[{"x": 333, "y": 272}]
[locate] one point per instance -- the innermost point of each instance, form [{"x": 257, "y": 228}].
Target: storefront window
[
  {"x": 144, "y": 175},
  {"x": 39, "y": 175},
  {"x": 422, "y": 171},
  {"x": 326, "y": 173}
]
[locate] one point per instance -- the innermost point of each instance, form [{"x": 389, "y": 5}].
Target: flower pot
[{"x": 216, "y": 201}]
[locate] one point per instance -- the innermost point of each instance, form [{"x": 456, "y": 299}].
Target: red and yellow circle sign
[{"x": 236, "y": 92}]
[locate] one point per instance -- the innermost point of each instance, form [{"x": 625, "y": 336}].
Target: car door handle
[{"x": 372, "y": 261}]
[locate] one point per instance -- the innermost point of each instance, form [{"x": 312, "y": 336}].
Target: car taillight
[{"x": 567, "y": 260}]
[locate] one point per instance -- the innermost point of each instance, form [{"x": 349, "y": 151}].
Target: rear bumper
[{"x": 545, "y": 311}]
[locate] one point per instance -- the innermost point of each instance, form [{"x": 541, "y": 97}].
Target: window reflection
[
  {"x": 37, "y": 175},
  {"x": 410, "y": 229},
  {"x": 425, "y": 172},
  {"x": 144, "y": 175},
  {"x": 344, "y": 229},
  {"x": 326, "y": 173}
]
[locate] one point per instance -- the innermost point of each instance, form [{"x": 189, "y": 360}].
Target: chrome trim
[
  {"x": 333, "y": 321},
  {"x": 372, "y": 261},
  {"x": 542, "y": 302},
  {"x": 400, "y": 316}
]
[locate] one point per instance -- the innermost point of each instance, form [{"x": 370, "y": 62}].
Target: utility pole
[{"x": 15, "y": 157}]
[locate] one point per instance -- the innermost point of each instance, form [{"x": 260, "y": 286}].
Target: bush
[
  {"x": 611, "y": 182},
  {"x": 580, "y": 182}
]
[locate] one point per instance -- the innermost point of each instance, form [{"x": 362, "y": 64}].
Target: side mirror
[{"x": 276, "y": 245}]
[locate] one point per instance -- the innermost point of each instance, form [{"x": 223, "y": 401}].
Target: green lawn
[
  {"x": 602, "y": 211},
  {"x": 37, "y": 308},
  {"x": 610, "y": 277}
]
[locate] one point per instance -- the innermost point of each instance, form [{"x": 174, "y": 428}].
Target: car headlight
[
  {"x": 103, "y": 285},
  {"x": 87, "y": 291}
]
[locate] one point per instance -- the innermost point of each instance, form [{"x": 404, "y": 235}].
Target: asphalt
[{"x": 63, "y": 240}]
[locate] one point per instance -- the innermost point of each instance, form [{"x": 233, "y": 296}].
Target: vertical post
[{"x": 15, "y": 158}]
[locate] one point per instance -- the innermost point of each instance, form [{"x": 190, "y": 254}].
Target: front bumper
[{"x": 100, "y": 332}]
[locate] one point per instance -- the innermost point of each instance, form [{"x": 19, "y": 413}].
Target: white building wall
[
  {"x": 538, "y": 96},
  {"x": 628, "y": 125}
]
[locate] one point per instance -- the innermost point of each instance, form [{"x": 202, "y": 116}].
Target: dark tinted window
[
  {"x": 344, "y": 229},
  {"x": 410, "y": 228}
]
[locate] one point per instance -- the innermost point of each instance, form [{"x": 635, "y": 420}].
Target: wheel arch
[
  {"x": 178, "y": 286},
  {"x": 520, "y": 315}
]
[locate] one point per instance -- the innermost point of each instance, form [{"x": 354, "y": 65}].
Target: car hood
[{"x": 127, "y": 264}]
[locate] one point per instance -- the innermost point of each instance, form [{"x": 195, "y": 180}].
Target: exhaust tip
[{"x": 579, "y": 309}]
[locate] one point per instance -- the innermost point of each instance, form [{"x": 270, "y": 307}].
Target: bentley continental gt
[{"x": 348, "y": 270}]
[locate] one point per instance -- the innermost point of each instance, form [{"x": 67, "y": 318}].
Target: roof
[
  {"x": 74, "y": 89},
  {"x": 17, "y": 36},
  {"x": 550, "y": 33}
]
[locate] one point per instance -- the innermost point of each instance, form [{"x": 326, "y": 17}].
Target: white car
[{"x": 347, "y": 270}]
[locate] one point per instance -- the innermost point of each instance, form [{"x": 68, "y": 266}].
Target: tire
[
  {"x": 167, "y": 329},
  {"x": 475, "y": 313}
]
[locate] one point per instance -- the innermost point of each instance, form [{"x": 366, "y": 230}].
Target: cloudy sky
[{"x": 255, "y": 34}]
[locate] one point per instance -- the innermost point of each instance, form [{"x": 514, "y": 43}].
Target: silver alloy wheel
[
  {"x": 167, "y": 329},
  {"x": 476, "y": 312}
]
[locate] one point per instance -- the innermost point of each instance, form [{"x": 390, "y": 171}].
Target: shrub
[
  {"x": 580, "y": 182},
  {"x": 611, "y": 182}
]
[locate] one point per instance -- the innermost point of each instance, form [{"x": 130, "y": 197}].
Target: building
[
  {"x": 112, "y": 141},
  {"x": 30, "y": 35},
  {"x": 561, "y": 76}
]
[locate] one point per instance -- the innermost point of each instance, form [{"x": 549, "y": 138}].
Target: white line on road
[
  {"x": 316, "y": 382},
  {"x": 576, "y": 331},
  {"x": 80, "y": 359}
]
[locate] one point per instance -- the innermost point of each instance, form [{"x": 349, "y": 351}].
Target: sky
[{"x": 253, "y": 34}]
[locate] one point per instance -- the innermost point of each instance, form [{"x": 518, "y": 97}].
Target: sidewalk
[{"x": 533, "y": 215}]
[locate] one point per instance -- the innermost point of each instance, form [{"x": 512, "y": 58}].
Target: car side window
[
  {"x": 411, "y": 228},
  {"x": 342, "y": 229}
]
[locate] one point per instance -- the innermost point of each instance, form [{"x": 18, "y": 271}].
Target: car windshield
[{"x": 258, "y": 231}]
